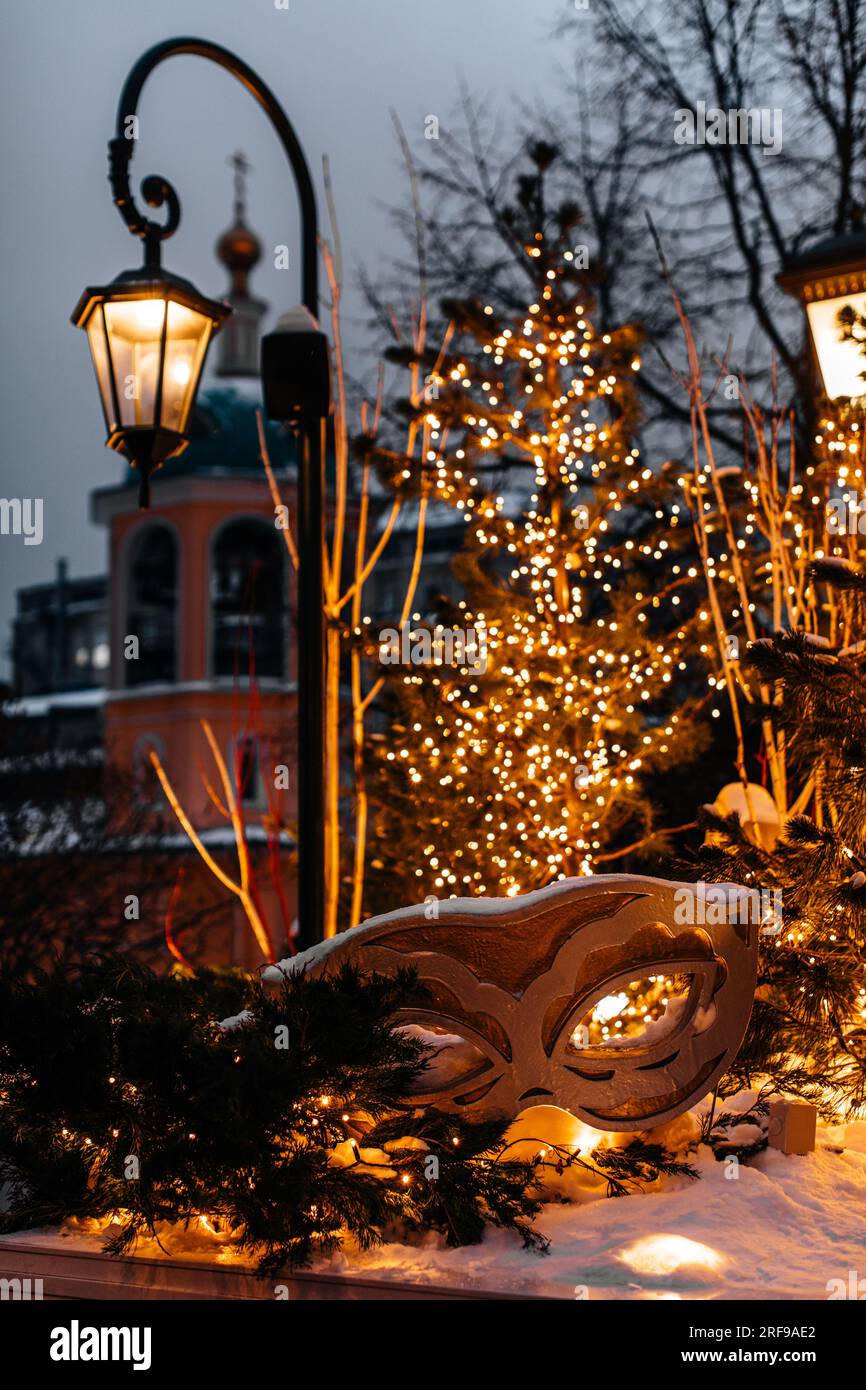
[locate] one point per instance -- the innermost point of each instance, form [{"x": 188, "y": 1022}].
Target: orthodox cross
[{"x": 241, "y": 166}]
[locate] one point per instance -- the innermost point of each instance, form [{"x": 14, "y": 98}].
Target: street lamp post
[
  {"x": 149, "y": 332},
  {"x": 826, "y": 278}
]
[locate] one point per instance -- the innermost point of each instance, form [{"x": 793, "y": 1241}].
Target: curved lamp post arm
[{"x": 158, "y": 192}]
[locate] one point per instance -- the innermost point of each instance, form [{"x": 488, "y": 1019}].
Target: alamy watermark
[
  {"x": 22, "y": 516},
  {"x": 77, "y": 1343},
  {"x": 846, "y": 516},
  {"x": 711, "y": 904},
  {"x": 440, "y": 646},
  {"x": 710, "y": 125},
  {"x": 23, "y": 1290},
  {"x": 853, "y": 1287}
]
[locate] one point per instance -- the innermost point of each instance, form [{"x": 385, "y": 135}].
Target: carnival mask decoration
[{"x": 531, "y": 995}]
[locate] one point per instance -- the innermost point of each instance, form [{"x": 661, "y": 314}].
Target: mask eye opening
[
  {"x": 460, "y": 1057},
  {"x": 629, "y": 1016}
]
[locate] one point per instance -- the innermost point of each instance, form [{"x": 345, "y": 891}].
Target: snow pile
[
  {"x": 781, "y": 1229},
  {"x": 452, "y": 1056},
  {"x": 229, "y": 1025},
  {"x": 731, "y": 895}
]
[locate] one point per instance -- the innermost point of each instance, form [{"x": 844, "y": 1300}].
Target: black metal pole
[
  {"x": 311, "y": 679},
  {"x": 158, "y": 192}
]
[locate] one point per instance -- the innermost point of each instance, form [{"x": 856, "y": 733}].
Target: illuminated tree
[
  {"x": 781, "y": 548},
  {"x": 761, "y": 530},
  {"x": 529, "y": 760}
]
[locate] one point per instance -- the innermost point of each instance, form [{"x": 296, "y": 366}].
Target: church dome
[{"x": 239, "y": 248}]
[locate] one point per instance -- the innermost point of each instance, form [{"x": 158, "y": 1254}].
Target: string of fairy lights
[{"x": 545, "y": 751}]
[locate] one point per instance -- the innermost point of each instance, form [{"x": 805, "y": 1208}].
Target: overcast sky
[{"x": 337, "y": 66}]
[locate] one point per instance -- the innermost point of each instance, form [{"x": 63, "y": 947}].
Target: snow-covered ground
[{"x": 783, "y": 1228}]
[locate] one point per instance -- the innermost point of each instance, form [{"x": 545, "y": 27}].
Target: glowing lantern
[
  {"x": 827, "y": 278},
  {"x": 149, "y": 333}
]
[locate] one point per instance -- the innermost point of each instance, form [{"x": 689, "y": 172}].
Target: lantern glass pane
[
  {"x": 135, "y": 335},
  {"x": 187, "y": 337},
  {"x": 101, "y": 365},
  {"x": 842, "y": 363}
]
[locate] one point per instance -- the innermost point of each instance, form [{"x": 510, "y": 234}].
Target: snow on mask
[{"x": 527, "y": 1000}]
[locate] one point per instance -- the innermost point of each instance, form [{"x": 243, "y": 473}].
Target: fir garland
[{"x": 292, "y": 1127}]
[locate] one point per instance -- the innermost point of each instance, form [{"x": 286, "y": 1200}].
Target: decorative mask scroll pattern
[{"x": 515, "y": 977}]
